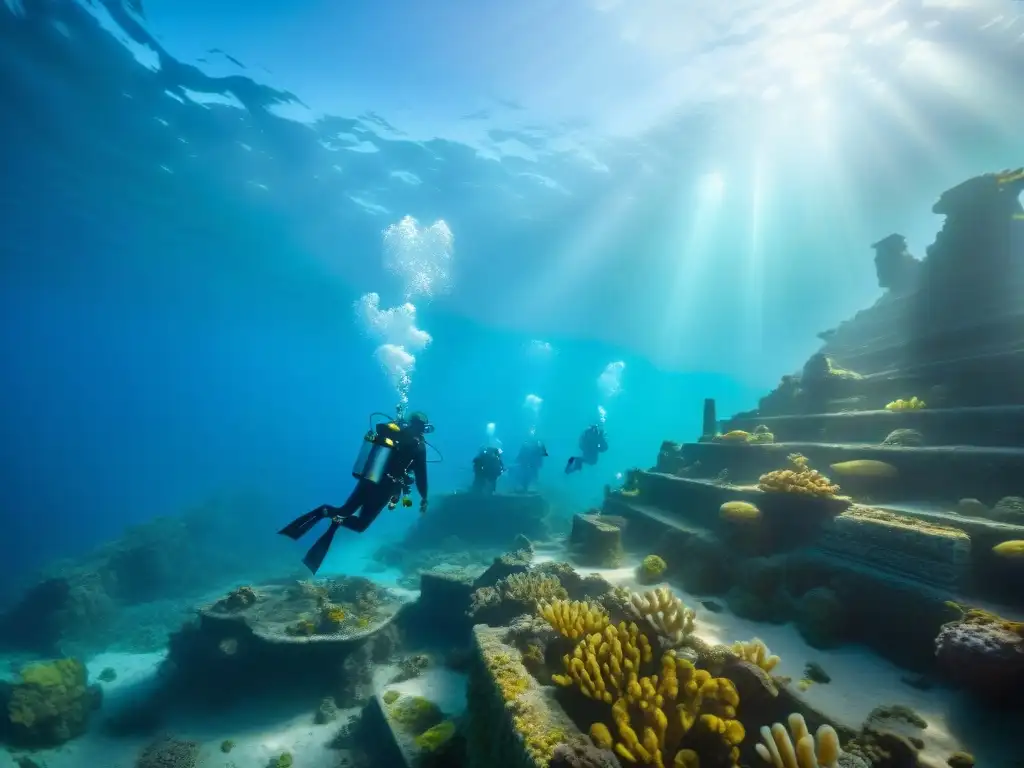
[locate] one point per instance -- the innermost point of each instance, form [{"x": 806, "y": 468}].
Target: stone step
[
  {"x": 991, "y": 577},
  {"x": 942, "y": 474},
  {"x": 961, "y": 570},
  {"x": 1000, "y": 425},
  {"x": 895, "y": 345},
  {"x": 976, "y": 379},
  {"x": 935, "y": 554}
]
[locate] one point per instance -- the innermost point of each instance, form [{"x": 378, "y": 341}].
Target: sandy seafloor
[{"x": 263, "y": 730}]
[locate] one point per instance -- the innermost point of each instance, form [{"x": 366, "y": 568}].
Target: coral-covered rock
[
  {"x": 579, "y": 587},
  {"x": 984, "y": 653},
  {"x": 595, "y": 542},
  {"x": 48, "y": 705},
  {"x": 518, "y": 594}
]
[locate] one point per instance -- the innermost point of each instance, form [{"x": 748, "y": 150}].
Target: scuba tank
[{"x": 374, "y": 454}]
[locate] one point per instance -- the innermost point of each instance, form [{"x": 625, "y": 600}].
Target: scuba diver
[
  {"x": 488, "y": 466},
  {"x": 391, "y": 451},
  {"x": 529, "y": 461},
  {"x": 593, "y": 442}
]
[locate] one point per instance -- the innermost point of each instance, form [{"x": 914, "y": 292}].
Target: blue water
[{"x": 185, "y": 232}]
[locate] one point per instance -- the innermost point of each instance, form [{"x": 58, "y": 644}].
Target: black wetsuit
[
  {"x": 530, "y": 459},
  {"x": 368, "y": 499},
  {"x": 488, "y": 466},
  {"x": 592, "y": 444}
]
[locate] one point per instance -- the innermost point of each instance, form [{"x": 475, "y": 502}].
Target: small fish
[{"x": 712, "y": 606}]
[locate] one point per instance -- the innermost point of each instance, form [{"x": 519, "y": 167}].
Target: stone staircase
[{"x": 894, "y": 544}]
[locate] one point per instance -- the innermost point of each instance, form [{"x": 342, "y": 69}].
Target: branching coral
[
  {"x": 798, "y": 479},
  {"x": 604, "y": 664},
  {"x": 703, "y": 706},
  {"x": 762, "y": 435},
  {"x": 573, "y": 619},
  {"x": 666, "y": 614},
  {"x": 655, "y": 717},
  {"x": 756, "y": 652},
  {"x": 797, "y": 748},
  {"x": 531, "y": 588}
]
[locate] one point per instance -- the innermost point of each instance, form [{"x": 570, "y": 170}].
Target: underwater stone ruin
[
  {"x": 890, "y": 465},
  {"x": 876, "y": 498}
]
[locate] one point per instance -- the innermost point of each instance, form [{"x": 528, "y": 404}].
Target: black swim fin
[
  {"x": 572, "y": 465},
  {"x": 300, "y": 526},
  {"x": 315, "y": 557}
]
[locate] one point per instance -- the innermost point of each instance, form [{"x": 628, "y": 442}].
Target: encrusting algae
[
  {"x": 659, "y": 719},
  {"x": 913, "y": 404}
]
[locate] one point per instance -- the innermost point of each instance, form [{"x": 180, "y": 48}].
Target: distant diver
[
  {"x": 392, "y": 458},
  {"x": 488, "y": 466},
  {"x": 529, "y": 462},
  {"x": 593, "y": 442}
]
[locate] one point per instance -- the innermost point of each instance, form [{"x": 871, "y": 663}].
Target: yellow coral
[
  {"x": 652, "y": 714},
  {"x": 331, "y": 618},
  {"x": 1010, "y": 549},
  {"x": 604, "y": 664},
  {"x": 864, "y": 468},
  {"x": 573, "y": 619},
  {"x": 912, "y": 404},
  {"x": 702, "y": 704},
  {"x": 739, "y": 511},
  {"x": 735, "y": 436},
  {"x": 799, "y": 479},
  {"x": 651, "y": 569},
  {"x": 756, "y": 652}
]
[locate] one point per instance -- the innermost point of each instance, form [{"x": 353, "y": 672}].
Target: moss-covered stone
[{"x": 49, "y": 705}]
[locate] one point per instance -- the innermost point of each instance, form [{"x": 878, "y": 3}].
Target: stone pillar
[{"x": 710, "y": 428}]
